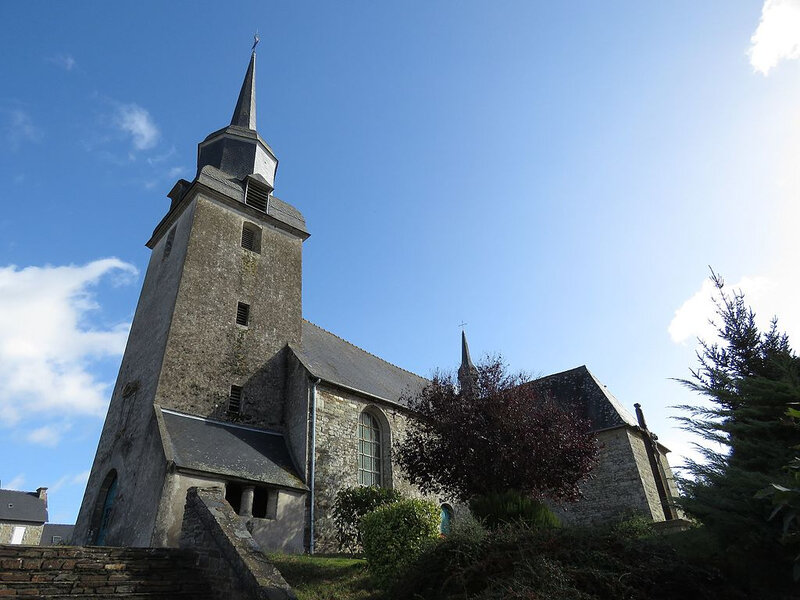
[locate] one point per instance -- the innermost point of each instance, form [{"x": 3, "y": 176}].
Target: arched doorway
[{"x": 108, "y": 492}]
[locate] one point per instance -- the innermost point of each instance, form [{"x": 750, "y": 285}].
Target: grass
[{"x": 327, "y": 577}]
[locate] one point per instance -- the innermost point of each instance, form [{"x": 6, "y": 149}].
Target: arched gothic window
[{"x": 370, "y": 455}]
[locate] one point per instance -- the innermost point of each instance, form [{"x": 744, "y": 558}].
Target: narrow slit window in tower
[
  {"x": 251, "y": 238},
  {"x": 242, "y": 314},
  {"x": 168, "y": 243},
  {"x": 235, "y": 400}
]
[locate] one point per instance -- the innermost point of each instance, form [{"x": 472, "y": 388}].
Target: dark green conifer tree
[{"x": 749, "y": 378}]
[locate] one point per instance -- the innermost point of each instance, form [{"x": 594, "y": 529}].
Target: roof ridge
[
  {"x": 562, "y": 372},
  {"x": 365, "y": 351}
]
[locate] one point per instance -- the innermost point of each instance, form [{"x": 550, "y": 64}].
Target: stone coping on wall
[{"x": 235, "y": 563}]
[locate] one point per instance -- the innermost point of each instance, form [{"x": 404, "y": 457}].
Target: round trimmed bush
[
  {"x": 396, "y": 534},
  {"x": 351, "y": 505}
]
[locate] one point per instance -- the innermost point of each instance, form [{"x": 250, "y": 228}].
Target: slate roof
[
  {"x": 337, "y": 361},
  {"x": 580, "y": 390},
  {"x": 22, "y": 506},
  {"x": 230, "y": 450},
  {"x": 231, "y": 186},
  {"x": 51, "y": 529}
]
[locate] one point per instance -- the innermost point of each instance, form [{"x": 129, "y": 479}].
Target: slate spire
[
  {"x": 467, "y": 373},
  {"x": 238, "y": 150},
  {"x": 244, "y": 115}
]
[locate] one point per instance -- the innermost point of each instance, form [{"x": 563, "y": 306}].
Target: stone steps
[{"x": 101, "y": 572}]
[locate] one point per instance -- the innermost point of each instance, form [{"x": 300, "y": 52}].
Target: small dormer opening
[
  {"x": 256, "y": 195},
  {"x": 235, "y": 400},
  {"x": 251, "y": 237}
]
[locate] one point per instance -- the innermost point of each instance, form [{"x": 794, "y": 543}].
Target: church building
[{"x": 223, "y": 383}]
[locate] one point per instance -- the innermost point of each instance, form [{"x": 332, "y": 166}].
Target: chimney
[{"x": 42, "y": 494}]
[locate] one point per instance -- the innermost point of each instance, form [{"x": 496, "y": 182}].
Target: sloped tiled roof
[
  {"x": 581, "y": 391},
  {"x": 56, "y": 529},
  {"x": 229, "y": 450},
  {"x": 337, "y": 361},
  {"x": 22, "y": 506}
]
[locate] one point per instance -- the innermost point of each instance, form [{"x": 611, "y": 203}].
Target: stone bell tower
[{"x": 221, "y": 300}]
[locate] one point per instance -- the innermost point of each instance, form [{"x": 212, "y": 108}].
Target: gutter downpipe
[{"x": 312, "y": 474}]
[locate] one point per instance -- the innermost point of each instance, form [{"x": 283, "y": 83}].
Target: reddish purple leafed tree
[{"x": 496, "y": 433}]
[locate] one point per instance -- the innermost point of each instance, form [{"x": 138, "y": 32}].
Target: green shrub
[
  {"x": 509, "y": 506},
  {"x": 634, "y": 526},
  {"x": 351, "y": 505},
  {"x": 395, "y": 535},
  {"x": 517, "y": 562}
]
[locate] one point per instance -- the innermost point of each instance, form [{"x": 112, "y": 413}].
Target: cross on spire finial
[
  {"x": 256, "y": 39},
  {"x": 462, "y": 325}
]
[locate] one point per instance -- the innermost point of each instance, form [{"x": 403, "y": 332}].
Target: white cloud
[
  {"x": 154, "y": 160},
  {"x": 69, "y": 480},
  {"x": 777, "y": 36},
  {"x": 65, "y": 61},
  {"x": 18, "y": 127},
  {"x": 136, "y": 121},
  {"x": 47, "y": 435},
  {"x": 46, "y": 346},
  {"x": 769, "y": 296},
  {"x": 165, "y": 177},
  {"x": 16, "y": 483}
]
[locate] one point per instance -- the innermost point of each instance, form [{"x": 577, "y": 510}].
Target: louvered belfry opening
[
  {"x": 235, "y": 400},
  {"x": 242, "y": 313},
  {"x": 256, "y": 195}
]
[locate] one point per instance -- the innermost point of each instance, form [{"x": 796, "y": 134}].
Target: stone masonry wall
[
  {"x": 207, "y": 351},
  {"x": 31, "y": 537},
  {"x": 615, "y": 487},
  {"x": 101, "y": 573},
  {"x": 338, "y": 412}
]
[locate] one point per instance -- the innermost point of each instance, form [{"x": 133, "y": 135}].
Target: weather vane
[{"x": 255, "y": 41}]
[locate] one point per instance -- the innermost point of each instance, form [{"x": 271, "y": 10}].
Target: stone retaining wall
[{"x": 233, "y": 561}]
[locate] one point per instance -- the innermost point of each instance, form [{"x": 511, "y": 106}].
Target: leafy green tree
[{"x": 749, "y": 378}]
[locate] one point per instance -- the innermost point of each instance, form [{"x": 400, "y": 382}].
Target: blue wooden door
[
  {"x": 100, "y": 540},
  {"x": 445, "y": 519}
]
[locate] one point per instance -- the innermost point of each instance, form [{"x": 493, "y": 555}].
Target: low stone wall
[
  {"x": 100, "y": 573},
  {"x": 227, "y": 552}
]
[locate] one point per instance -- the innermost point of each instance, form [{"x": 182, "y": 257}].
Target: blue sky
[{"x": 557, "y": 176}]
